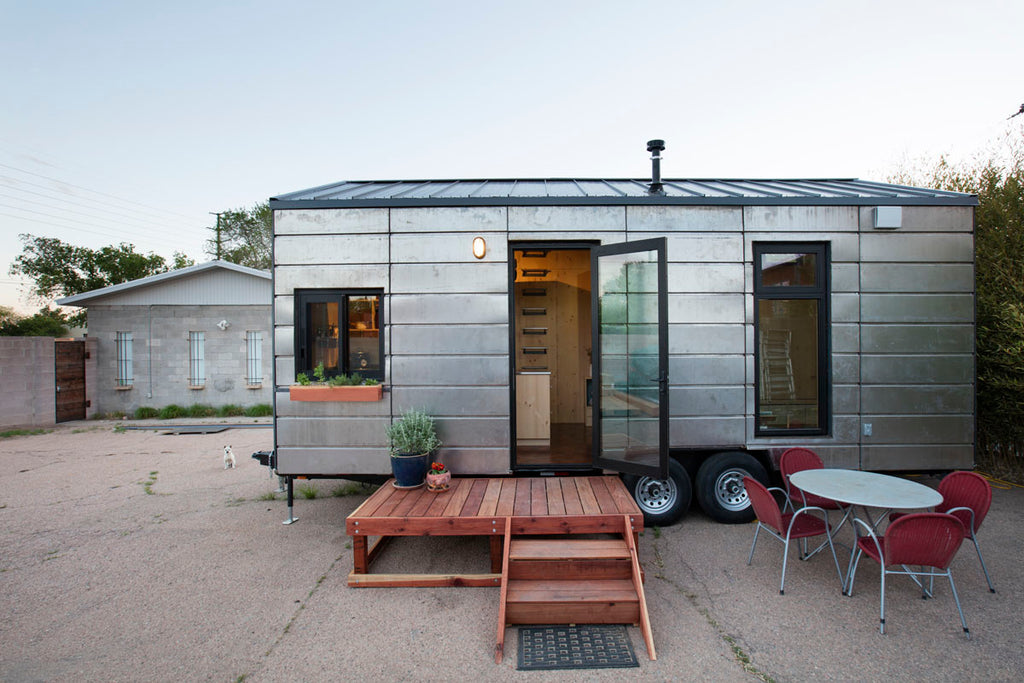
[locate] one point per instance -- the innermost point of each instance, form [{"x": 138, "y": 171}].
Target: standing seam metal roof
[{"x": 597, "y": 191}]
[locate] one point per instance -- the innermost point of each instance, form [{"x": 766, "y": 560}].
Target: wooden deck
[{"x": 481, "y": 507}]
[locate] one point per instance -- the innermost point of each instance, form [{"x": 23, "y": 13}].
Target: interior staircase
[{"x": 568, "y": 580}]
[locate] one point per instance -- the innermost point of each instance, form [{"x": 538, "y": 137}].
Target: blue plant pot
[{"x": 410, "y": 471}]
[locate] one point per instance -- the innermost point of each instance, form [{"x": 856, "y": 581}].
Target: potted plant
[
  {"x": 338, "y": 388},
  {"x": 413, "y": 439},
  {"x": 439, "y": 478}
]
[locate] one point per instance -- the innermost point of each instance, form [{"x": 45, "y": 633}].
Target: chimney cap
[{"x": 655, "y": 145}]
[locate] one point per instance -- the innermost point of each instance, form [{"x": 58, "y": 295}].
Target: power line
[
  {"x": 103, "y": 194},
  {"x": 72, "y": 227},
  {"x": 152, "y": 218}
]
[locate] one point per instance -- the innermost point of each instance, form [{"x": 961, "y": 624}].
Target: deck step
[
  {"x": 569, "y": 559},
  {"x": 548, "y": 601}
]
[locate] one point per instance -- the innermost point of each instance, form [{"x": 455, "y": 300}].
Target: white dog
[{"x": 229, "y": 458}]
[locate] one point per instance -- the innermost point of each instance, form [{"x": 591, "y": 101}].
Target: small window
[
  {"x": 253, "y": 358},
  {"x": 123, "y": 374},
  {"x": 341, "y": 329},
  {"x": 196, "y": 359},
  {"x": 791, "y": 319}
]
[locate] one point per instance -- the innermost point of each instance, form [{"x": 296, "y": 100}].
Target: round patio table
[{"x": 866, "y": 490}]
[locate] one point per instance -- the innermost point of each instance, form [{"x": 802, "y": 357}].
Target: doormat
[{"x": 584, "y": 646}]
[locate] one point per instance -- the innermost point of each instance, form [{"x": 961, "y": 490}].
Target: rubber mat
[{"x": 584, "y": 646}]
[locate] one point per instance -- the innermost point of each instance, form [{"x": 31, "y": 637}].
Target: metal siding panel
[
  {"x": 721, "y": 401},
  {"x": 897, "y": 247},
  {"x": 289, "y": 278},
  {"x": 284, "y": 310},
  {"x": 713, "y": 432},
  {"x": 916, "y": 400},
  {"x": 449, "y": 340},
  {"x": 284, "y": 341},
  {"x": 593, "y": 236},
  {"x": 927, "y": 218},
  {"x": 922, "y": 429},
  {"x": 662, "y": 219},
  {"x": 449, "y": 219},
  {"x": 799, "y": 218},
  {"x": 846, "y": 338},
  {"x": 917, "y": 308},
  {"x": 917, "y": 369},
  {"x": 700, "y": 277},
  {"x": 284, "y": 370},
  {"x": 846, "y": 399},
  {"x": 449, "y": 371},
  {"x": 699, "y": 248},
  {"x": 328, "y": 221},
  {"x": 845, "y": 308},
  {"x": 706, "y": 308},
  {"x": 450, "y": 277},
  {"x": 489, "y": 461},
  {"x": 938, "y": 457},
  {"x": 449, "y": 309},
  {"x": 918, "y": 338},
  {"x": 561, "y": 218},
  {"x": 213, "y": 287},
  {"x": 844, "y": 247},
  {"x": 845, "y": 277},
  {"x": 846, "y": 368},
  {"x": 912, "y": 277},
  {"x": 332, "y": 461},
  {"x": 447, "y": 248},
  {"x": 453, "y": 401},
  {"x": 335, "y": 431},
  {"x": 474, "y": 432},
  {"x": 316, "y": 250}
]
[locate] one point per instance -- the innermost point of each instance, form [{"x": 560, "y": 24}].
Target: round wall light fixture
[{"x": 479, "y": 247}]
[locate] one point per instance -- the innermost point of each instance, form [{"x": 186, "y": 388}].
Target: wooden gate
[{"x": 69, "y": 370}]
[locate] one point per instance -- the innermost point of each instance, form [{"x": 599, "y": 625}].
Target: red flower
[{"x": 437, "y": 468}]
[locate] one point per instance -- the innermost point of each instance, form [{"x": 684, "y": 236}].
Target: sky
[{"x": 135, "y": 121}]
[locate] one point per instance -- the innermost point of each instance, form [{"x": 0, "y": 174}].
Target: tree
[
  {"x": 243, "y": 236},
  {"x": 998, "y": 181},
  {"x": 48, "y": 322},
  {"x": 60, "y": 269}
]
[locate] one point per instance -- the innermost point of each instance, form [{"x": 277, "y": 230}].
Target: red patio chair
[
  {"x": 786, "y": 526},
  {"x": 928, "y": 540},
  {"x": 968, "y": 497},
  {"x": 795, "y": 460}
]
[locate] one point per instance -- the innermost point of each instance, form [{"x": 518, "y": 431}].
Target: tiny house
[{"x": 683, "y": 332}]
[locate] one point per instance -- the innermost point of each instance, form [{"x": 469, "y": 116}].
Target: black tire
[
  {"x": 663, "y": 501},
  {"x": 720, "y": 489}
]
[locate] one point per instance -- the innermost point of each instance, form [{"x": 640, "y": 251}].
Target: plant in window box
[
  {"x": 413, "y": 439},
  {"x": 337, "y": 388}
]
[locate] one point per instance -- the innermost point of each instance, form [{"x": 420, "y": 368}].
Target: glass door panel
[{"x": 630, "y": 305}]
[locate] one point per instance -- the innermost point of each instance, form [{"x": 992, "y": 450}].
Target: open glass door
[{"x": 630, "y": 361}]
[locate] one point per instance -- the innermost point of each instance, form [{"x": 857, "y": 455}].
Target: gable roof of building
[
  {"x": 85, "y": 298},
  {"x": 596, "y": 191}
]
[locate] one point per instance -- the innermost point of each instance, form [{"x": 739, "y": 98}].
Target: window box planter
[{"x": 299, "y": 392}]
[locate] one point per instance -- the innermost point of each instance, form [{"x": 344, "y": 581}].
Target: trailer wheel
[
  {"x": 720, "y": 489},
  {"x": 663, "y": 501}
]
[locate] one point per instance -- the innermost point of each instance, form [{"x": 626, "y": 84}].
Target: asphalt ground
[{"x": 134, "y": 556}]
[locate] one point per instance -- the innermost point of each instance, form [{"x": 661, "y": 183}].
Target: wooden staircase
[{"x": 569, "y": 580}]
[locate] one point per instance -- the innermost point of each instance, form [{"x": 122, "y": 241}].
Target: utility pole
[{"x": 217, "y": 249}]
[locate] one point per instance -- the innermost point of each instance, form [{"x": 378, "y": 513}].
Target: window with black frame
[
  {"x": 339, "y": 328},
  {"x": 791, "y": 318}
]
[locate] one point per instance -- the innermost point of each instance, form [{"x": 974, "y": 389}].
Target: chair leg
[
  {"x": 956, "y": 598},
  {"x": 852, "y": 571},
  {"x": 977, "y": 547},
  {"x": 754, "y": 544},
  {"x": 785, "y": 557},
  {"x": 881, "y": 613}
]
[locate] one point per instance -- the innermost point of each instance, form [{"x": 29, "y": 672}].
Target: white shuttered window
[
  {"x": 253, "y": 358},
  {"x": 124, "y": 376},
  {"x": 196, "y": 359}
]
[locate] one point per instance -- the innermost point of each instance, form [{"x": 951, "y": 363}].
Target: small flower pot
[{"x": 439, "y": 482}]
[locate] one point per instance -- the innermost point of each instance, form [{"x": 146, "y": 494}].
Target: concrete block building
[{"x": 195, "y": 335}]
